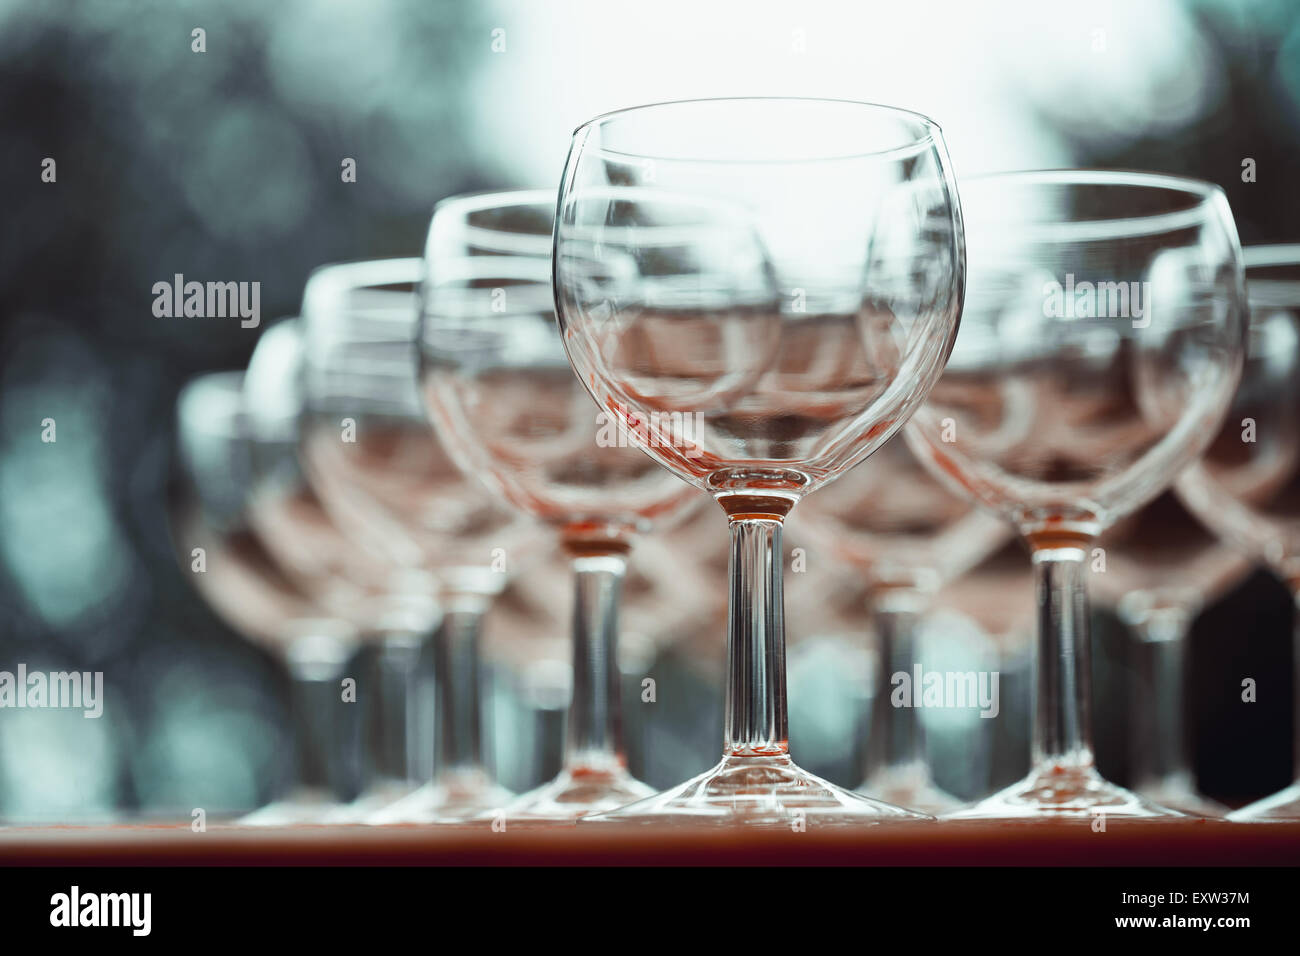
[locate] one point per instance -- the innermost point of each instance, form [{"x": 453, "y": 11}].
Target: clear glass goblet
[
  {"x": 1247, "y": 487},
  {"x": 1101, "y": 340},
  {"x": 503, "y": 398},
  {"x": 1160, "y": 568},
  {"x": 395, "y": 607},
  {"x": 763, "y": 290},
  {"x": 370, "y": 453},
  {"x": 249, "y": 588}
]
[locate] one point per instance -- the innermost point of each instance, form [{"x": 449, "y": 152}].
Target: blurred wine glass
[
  {"x": 504, "y": 400},
  {"x": 1247, "y": 487},
  {"x": 1101, "y": 340},
  {"x": 763, "y": 290},
  {"x": 1158, "y": 568},
  {"x": 672, "y": 592},
  {"x": 371, "y": 455},
  {"x": 992, "y": 605},
  {"x": 394, "y": 607},
  {"x": 250, "y": 589},
  {"x": 906, "y": 535}
]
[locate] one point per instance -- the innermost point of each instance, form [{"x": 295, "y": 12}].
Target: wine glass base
[
  {"x": 456, "y": 796},
  {"x": 1180, "y": 795},
  {"x": 299, "y": 807},
  {"x": 1063, "y": 793},
  {"x": 909, "y": 787},
  {"x": 576, "y": 792},
  {"x": 1281, "y": 807},
  {"x": 371, "y": 800},
  {"x": 756, "y": 792}
]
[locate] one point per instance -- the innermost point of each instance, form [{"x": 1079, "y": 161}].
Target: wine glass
[
  {"x": 502, "y": 396},
  {"x": 370, "y": 453},
  {"x": 249, "y": 588},
  {"x": 1159, "y": 569},
  {"x": 1102, "y": 337},
  {"x": 906, "y": 535},
  {"x": 395, "y": 607},
  {"x": 1247, "y": 487},
  {"x": 713, "y": 287}
]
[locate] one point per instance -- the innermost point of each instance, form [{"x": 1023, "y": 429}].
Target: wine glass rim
[
  {"x": 1085, "y": 176},
  {"x": 1271, "y": 254},
  {"x": 498, "y": 241},
  {"x": 496, "y": 198},
  {"x": 916, "y": 145},
  {"x": 363, "y": 273},
  {"x": 331, "y": 319},
  {"x": 1206, "y": 193}
]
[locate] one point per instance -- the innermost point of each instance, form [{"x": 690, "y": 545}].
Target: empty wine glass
[
  {"x": 395, "y": 607},
  {"x": 1101, "y": 340},
  {"x": 1159, "y": 569},
  {"x": 371, "y": 454},
  {"x": 1247, "y": 487},
  {"x": 713, "y": 286},
  {"x": 907, "y": 535},
  {"x": 249, "y": 588},
  {"x": 502, "y": 395}
]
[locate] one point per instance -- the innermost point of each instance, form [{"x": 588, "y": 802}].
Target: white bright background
[{"x": 997, "y": 76}]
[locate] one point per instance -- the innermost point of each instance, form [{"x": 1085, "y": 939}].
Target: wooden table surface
[{"x": 1123, "y": 843}]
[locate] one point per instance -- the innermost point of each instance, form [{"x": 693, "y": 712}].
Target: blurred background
[{"x": 226, "y": 164}]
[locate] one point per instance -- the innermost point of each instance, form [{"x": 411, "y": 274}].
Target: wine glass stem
[
  {"x": 1162, "y": 753},
  {"x": 1063, "y": 721},
  {"x": 398, "y": 729},
  {"x": 896, "y": 730},
  {"x": 595, "y": 736},
  {"x": 456, "y": 684},
  {"x": 756, "y": 722},
  {"x": 314, "y": 704}
]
